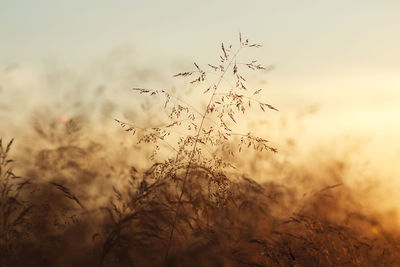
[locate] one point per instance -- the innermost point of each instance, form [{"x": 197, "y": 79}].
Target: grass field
[{"x": 181, "y": 193}]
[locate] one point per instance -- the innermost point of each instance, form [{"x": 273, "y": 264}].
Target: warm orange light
[{"x": 64, "y": 118}]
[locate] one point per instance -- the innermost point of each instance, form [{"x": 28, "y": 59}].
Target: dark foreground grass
[{"x": 222, "y": 222}]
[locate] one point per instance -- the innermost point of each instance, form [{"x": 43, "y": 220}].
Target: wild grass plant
[
  {"x": 13, "y": 209},
  {"x": 207, "y": 130}
]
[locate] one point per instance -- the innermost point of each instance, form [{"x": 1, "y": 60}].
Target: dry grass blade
[{"x": 67, "y": 193}]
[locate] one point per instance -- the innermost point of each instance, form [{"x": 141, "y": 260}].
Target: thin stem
[
  {"x": 193, "y": 152},
  {"x": 187, "y": 104}
]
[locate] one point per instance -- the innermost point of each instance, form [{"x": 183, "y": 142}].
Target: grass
[
  {"x": 84, "y": 204},
  {"x": 13, "y": 209},
  {"x": 209, "y": 128}
]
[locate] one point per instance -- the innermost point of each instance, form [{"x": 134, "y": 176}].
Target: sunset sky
[{"x": 340, "y": 56}]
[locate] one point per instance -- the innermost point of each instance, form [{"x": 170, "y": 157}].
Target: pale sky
[
  {"x": 342, "y": 56},
  {"x": 298, "y": 35}
]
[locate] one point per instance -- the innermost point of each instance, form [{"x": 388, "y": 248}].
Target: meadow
[{"x": 183, "y": 192}]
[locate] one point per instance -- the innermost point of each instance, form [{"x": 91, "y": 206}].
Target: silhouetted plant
[
  {"x": 13, "y": 209},
  {"x": 207, "y": 130}
]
